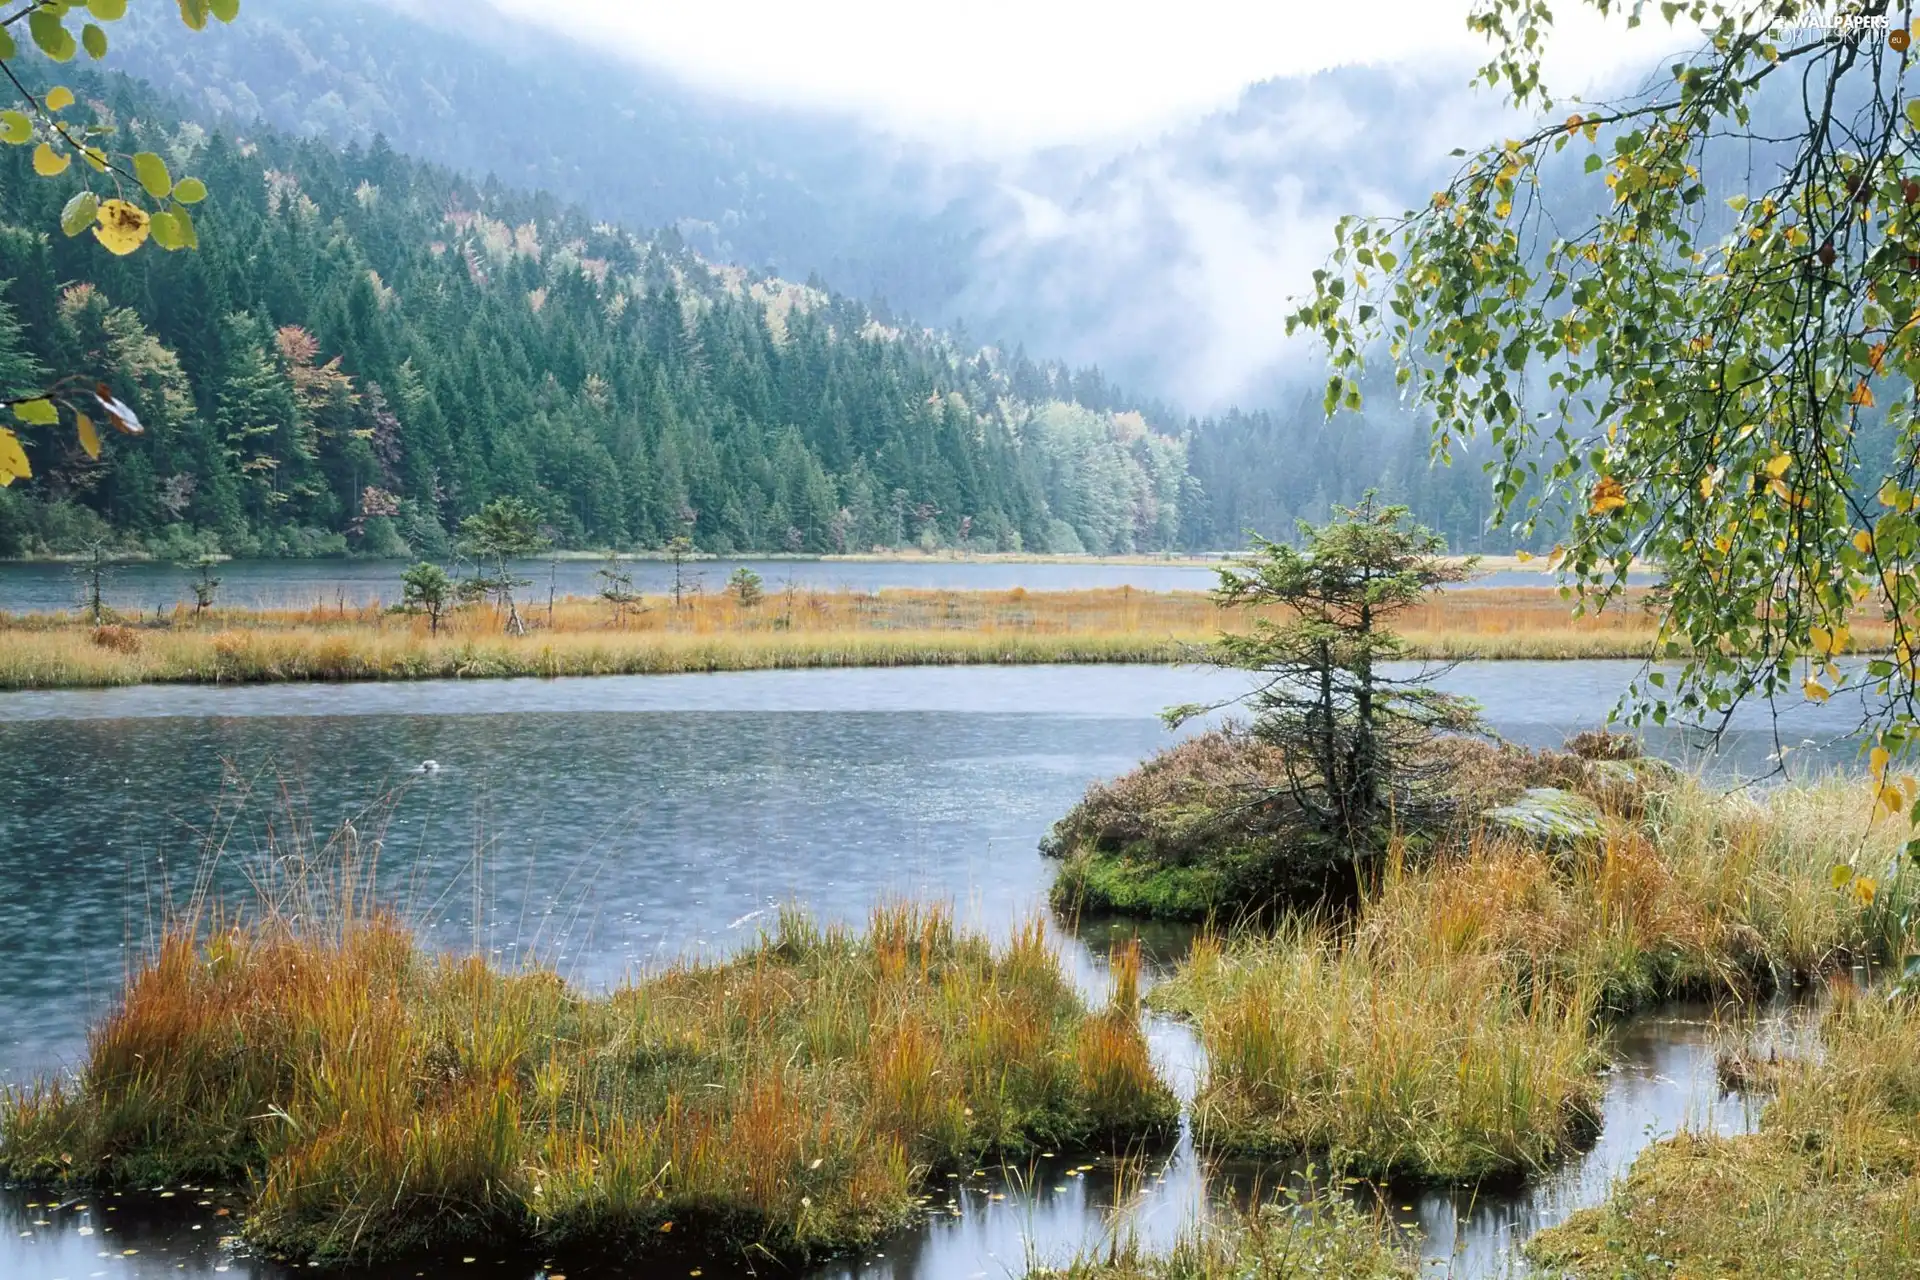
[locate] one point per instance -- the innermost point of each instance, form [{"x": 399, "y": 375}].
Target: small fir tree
[
  {"x": 1350, "y": 728},
  {"x": 504, "y": 530},
  {"x": 426, "y": 588},
  {"x": 746, "y": 587}
]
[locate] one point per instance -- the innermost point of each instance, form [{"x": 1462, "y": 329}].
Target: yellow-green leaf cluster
[{"x": 61, "y": 30}]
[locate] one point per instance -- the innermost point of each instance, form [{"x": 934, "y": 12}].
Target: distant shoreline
[
  {"x": 580, "y": 636},
  {"x": 1171, "y": 560}
]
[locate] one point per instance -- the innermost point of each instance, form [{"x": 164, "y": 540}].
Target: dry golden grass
[
  {"x": 1451, "y": 1029},
  {"x": 715, "y": 633},
  {"x": 378, "y": 1099},
  {"x": 1380, "y": 1062}
]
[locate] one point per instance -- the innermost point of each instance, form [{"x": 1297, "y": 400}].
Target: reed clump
[
  {"x": 381, "y": 1100},
  {"x": 1450, "y": 1025},
  {"x": 1689, "y": 891},
  {"x": 718, "y": 632},
  {"x": 1829, "y": 1188},
  {"x": 1352, "y": 1050}
]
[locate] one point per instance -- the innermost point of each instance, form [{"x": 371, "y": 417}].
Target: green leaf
[
  {"x": 40, "y": 413},
  {"x": 225, "y": 10},
  {"x": 79, "y": 213},
  {"x": 166, "y": 231},
  {"x": 107, "y": 10},
  {"x": 153, "y": 175},
  {"x": 15, "y": 128},
  {"x": 189, "y": 237},
  {"x": 94, "y": 41},
  {"x": 7, "y": 47},
  {"x": 52, "y": 35},
  {"x": 194, "y": 14},
  {"x": 1913, "y": 112},
  {"x": 190, "y": 191}
]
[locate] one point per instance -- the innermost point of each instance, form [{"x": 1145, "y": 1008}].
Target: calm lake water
[
  {"x": 259, "y": 584},
  {"x": 608, "y": 824}
]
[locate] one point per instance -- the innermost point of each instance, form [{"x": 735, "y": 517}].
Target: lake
[
  {"x": 264, "y": 584},
  {"x": 608, "y": 824}
]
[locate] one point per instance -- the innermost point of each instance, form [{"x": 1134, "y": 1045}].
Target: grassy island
[
  {"x": 1445, "y": 1016},
  {"x": 716, "y": 632},
  {"x": 791, "y": 1101}
]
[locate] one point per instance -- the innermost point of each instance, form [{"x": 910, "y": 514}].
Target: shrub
[{"x": 118, "y": 638}]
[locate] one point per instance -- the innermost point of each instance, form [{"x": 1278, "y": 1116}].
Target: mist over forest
[{"x": 1084, "y": 350}]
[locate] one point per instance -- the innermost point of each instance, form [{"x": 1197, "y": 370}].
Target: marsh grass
[
  {"x": 1828, "y": 1188},
  {"x": 1452, "y": 1026},
  {"x": 1323, "y": 1236},
  {"x": 380, "y": 1100},
  {"x": 716, "y": 632},
  {"x": 1357, "y": 1052}
]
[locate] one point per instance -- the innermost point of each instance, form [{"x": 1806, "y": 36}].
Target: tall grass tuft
[
  {"x": 380, "y": 1099},
  {"x": 1381, "y": 1062},
  {"x": 1452, "y": 1026}
]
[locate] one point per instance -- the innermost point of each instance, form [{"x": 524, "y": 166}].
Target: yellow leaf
[
  {"x": 13, "y": 459},
  {"x": 1815, "y": 691},
  {"x": 1822, "y": 639},
  {"x": 1864, "y": 887},
  {"x": 1876, "y": 354},
  {"x": 1777, "y": 467},
  {"x": 123, "y": 227},
  {"x": 49, "y": 163},
  {"x": 1842, "y": 636},
  {"x": 1706, "y": 486},
  {"x": 89, "y": 438},
  {"x": 1863, "y": 543},
  {"x": 1877, "y": 761},
  {"x": 1862, "y": 396},
  {"x": 1608, "y": 495},
  {"x": 1523, "y": 556},
  {"x": 58, "y": 98}
]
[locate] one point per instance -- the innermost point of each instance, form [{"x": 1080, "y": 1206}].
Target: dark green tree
[
  {"x": 1350, "y": 729},
  {"x": 501, "y": 532},
  {"x": 745, "y": 587},
  {"x": 425, "y": 588}
]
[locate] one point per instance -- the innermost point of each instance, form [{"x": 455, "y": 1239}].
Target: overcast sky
[{"x": 1013, "y": 73}]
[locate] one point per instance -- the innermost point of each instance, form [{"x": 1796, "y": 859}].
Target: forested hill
[{"x": 366, "y": 348}]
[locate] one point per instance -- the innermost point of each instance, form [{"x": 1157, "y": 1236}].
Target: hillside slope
[{"x": 366, "y": 348}]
